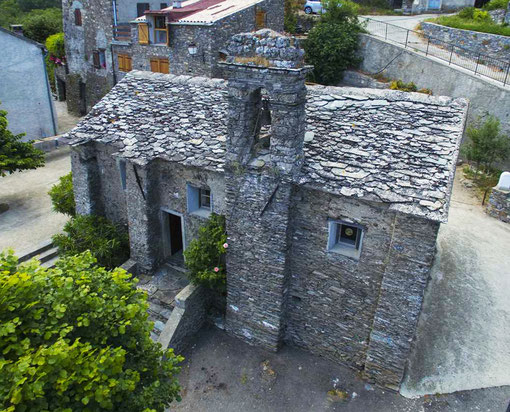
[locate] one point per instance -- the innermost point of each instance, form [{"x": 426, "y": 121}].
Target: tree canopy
[
  {"x": 15, "y": 154},
  {"x": 77, "y": 338}
]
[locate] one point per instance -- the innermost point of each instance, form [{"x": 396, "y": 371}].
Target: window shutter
[
  {"x": 155, "y": 65},
  {"x": 95, "y": 59},
  {"x": 163, "y": 66},
  {"x": 120, "y": 58},
  {"x": 143, "y": 33},
  {"x": 77, "y": 17},
  {"x": 128, "y": 63},
  {"x": 260, "y": 19}
]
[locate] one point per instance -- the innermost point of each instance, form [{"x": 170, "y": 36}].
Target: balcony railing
[{"x": 122, "y": 32}]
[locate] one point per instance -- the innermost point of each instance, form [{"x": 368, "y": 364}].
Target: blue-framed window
[
  {"x": 200, "y": 200},
  {"x": 345, "y": 238}
]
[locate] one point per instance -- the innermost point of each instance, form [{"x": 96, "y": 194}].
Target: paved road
[
  {"x": 30, "y": 220},
  {"x": 463, "y": 339}
]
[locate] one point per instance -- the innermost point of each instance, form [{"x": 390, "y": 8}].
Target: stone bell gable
[{"x": 333, "y": 197}]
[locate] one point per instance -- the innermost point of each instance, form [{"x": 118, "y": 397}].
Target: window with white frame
[
  {"x": 200, "y": 201},
  {"x": 345, "y": 238}
]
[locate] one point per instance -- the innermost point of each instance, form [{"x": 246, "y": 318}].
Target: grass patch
[{"x": 481, "y": 26}]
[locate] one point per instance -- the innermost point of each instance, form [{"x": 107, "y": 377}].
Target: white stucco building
[{"x": 24, "y": 89}]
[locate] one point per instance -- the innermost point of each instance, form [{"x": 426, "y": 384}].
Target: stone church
[{"x": 333, "y": 196}]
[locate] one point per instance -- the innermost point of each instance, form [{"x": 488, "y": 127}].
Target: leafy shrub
[
  {"x": 55, "y": 45},
  {"x": 481, "y": 15},
  {"x": 38, "y": 25},
  {"x": 77, "y": 338},
  {"x": 496, "y": 4},
  {"x": 332, "y": 44},
  {"x": 405, "y": 87},
  {"x": 466, "y": 13},
  {"x": 107, "y": 242},
  {"x": 205, "y": 255},
  {"x": 481, "y": 24},
  {"x": 62, "y": 196},
  {"x": 15, "y": 154},
  {"x": 486, "y": 144}
]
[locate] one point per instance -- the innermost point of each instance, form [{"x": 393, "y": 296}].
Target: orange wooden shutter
[
  {"x": 260, "y": 19},
  {"x": 143, "y": 33},
  {"x": 154, "y": 65},
  {"x": 121, "y": 58},
  {"x": 163, "y": 66},
  {"x": 128, "y": 63}
]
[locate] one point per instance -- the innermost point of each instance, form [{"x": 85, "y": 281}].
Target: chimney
[{"x": 17, "y": 29}]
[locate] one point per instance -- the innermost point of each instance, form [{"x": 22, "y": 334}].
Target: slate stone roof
[{"x": 378, "y": 145}]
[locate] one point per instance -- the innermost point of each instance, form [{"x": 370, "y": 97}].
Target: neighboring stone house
[
  {"x": 24, "y": 89},
  {"x": 107, "y": 38},
  {"x": 333, "y": 196}
]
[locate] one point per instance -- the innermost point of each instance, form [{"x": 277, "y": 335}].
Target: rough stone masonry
[{"x": 333, "y": 196}]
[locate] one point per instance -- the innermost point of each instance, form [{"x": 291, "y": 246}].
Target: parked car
[{"x": 314, "y": 6}]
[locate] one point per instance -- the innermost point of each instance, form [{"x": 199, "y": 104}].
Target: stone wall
[
  {"x": 363, "y": 312},
  {"x": 95, "y": 33},
  {"x": 499, "y": 204},
  {"x": 471, "y": 43},
  {"x": 188, "y": 316}
]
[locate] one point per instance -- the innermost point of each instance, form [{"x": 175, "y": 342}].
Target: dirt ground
[{"x": 223, "y": 374}]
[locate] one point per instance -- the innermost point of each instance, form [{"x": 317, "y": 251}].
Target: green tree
[
  {"x": 205, "y": 255},
  {"x": 15, "y": 154},
  {"x": 107, "y": 242},
  {"x": 27, "y": 5},
  {"x": 332, "y": 44},
  {"x": 77, "y": 338},
  {"x": 291, "y": 8},
  {"x": 38, "y": 25},
  {"x": 62, "y": 196},
  {"x": 10, "y": 13},
  {"x": 486, "y": 144}
]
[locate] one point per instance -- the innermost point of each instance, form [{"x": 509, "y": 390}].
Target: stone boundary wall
[
  {"x": 499, "y": 205},
  {"x": 471, "y": 43},
  {"x": 188, "y": 316}
]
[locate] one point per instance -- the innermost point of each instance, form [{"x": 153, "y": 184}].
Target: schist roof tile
[{"x": 378, "y": 145}]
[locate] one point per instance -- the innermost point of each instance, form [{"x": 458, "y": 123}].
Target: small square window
[
  {"x": 204, "y": 199},
  {"x": 200, "y": 201},
  {"x": 345, "y": 238},
  {"x": 99, "y": 59}
]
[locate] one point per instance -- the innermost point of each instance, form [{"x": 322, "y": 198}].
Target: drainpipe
[
  {"x": 114, "y": 5},
  {"x": 44, "y": 53}
]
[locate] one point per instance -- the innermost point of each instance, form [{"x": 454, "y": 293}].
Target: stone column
[
  {"x": 86, "y": 180},
  {"x": 411, "y": 254},
  {"x": 143, "y": 215},
  {"x": 258, "y": 192}
]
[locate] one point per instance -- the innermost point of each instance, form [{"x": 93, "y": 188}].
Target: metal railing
[
  {"x": 122, "y": 32},
  {"x": 477, "y": 63}
]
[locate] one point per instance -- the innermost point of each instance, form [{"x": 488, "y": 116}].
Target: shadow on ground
[{"x": 224, "y": 374}]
